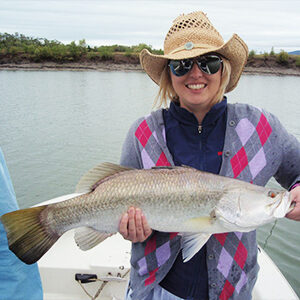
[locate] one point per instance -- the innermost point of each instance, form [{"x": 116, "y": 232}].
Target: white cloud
[{"x": 262, "y": 24}]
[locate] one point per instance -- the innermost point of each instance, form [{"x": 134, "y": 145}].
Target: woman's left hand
[{"x": 295, "y": 213}]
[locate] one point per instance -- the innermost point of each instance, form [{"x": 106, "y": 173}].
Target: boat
[{"x": 69, "y": 273}]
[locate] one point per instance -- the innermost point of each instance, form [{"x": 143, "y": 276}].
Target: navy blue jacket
[{"x": 199, "y": 146}]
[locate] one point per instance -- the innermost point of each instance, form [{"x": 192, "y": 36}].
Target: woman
[{"x": 201, "y": 130}]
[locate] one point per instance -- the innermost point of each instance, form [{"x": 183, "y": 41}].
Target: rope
[
  {"x": 270, "y": 234},
  {"x": 104, "y": 282},
  {"x": 97, "y": 293}
]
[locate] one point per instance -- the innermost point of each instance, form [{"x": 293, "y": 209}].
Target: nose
[{"x": 195, "y": 71}]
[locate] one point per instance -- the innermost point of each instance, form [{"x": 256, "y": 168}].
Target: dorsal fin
[{"x": 88, "y": 182}]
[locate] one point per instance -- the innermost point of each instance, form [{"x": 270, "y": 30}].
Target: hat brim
[{"x": 234, "y": 50}]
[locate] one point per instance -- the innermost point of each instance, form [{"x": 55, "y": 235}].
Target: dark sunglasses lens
[
  {"x": 180, "y": 67},
  {"x": 210, "y": 64}
]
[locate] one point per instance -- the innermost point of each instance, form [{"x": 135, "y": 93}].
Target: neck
[
  {"x": 198, "y": 111},
  {"x": 200, "y": 115}
]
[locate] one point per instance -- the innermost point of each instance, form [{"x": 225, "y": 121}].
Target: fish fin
[
  {"x": 192, "y": 243},
  {"x": 197, "y": 224},
  {"x": 26, "y": 234},
  {"x": 93, "y": 177},
  {"x": 87, "y": 238}
]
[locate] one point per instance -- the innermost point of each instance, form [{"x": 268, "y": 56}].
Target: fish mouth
[{"x": 282, "y": 206}]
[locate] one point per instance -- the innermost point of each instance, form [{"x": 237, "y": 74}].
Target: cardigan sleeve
[
  {"x": 131, "y": 155},
  {"x": 288, "y": 172}
]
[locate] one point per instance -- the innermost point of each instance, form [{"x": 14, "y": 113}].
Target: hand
[
  {"x": 133, "y": 226},
  {"x": 295, "y": 213}
]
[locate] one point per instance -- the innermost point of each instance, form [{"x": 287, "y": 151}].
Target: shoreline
[{"x": 110, "y": 66}]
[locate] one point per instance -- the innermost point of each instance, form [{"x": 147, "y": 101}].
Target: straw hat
[{"x": 193, "y": 35}]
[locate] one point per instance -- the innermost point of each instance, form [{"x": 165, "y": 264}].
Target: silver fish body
[{"x": 175, "y": 199}]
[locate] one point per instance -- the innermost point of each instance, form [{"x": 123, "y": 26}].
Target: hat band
[{"x": 190, "y": 46}]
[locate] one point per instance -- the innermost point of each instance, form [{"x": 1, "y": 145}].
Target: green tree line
[
  {"x": 18, "y": 47},
  {"x": 282, "y": 58}
]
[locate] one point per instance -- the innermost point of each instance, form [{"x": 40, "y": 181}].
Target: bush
[
  {"x": 128, "y": 54},
  {"x": 106, "y": 54},
  {"x": 29, "y": 49},
  {"x": 283, "y": 58},
  {"x": 298, "y": 61},
  {"x": 93, "y": 56},
  {"x": 158, "y": 52},
  {"x": 251, "y": 54}
]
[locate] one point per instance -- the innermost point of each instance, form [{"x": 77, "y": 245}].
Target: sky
[{"x": 261, "y": 24}]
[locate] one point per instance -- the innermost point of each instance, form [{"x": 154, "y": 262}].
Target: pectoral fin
[
  {"x": 192, "y": 243},
  {"x": 87, "y": 238}
]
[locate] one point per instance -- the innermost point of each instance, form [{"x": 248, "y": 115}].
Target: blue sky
[{"x": 262, "y": 24}]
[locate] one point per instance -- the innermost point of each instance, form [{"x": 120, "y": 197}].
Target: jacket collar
[{"x": 184, "y": 116}]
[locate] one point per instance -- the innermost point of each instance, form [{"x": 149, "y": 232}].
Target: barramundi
[{"x": 193, "y": 203}]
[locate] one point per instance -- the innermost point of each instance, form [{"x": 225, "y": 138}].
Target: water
[{"x": 55, "y": 125}]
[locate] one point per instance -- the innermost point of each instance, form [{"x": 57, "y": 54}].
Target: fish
[{"x": 181, "y": 199}]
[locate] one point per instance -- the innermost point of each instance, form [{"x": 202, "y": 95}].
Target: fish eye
[{"x": 272, "y": 194}]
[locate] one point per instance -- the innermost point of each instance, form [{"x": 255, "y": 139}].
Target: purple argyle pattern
[
  {"x": 252, "y": 159},
  {"x": 233, "y": 255},
  {"x": 251, "y": 154},
  {"x": 148, "y": 139}
]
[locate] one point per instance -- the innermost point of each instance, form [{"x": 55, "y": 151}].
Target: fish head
[{"x": 253, "y": 208}]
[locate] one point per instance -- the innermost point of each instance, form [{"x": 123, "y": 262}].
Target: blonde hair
[{"x": 166, "y": 91}]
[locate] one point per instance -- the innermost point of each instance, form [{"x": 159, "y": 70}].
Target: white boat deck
[{"x": 110, "y": 261}]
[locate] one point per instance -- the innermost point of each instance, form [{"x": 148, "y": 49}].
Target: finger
[
  {"x": 139, "y": 226},
  {"x": 147, "y": 229},
  {"x": 131, "y": 224},
  {"x": 295, "y": 213},
  {"x": 123, "y": 225}
]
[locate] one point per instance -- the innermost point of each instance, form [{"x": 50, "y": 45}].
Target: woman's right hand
[{"x": 134, "y": 226}]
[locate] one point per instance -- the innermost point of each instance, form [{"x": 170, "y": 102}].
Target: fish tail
[{"x": 26, "y": 234}]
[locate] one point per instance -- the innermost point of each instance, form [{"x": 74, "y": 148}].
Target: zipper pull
[{"x": 199, "y": 129}]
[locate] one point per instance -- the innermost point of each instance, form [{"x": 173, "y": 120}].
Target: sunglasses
[{"x": 209, "y": 64}]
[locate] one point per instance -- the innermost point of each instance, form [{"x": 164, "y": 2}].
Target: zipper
[{"x": 199, "y": 129}]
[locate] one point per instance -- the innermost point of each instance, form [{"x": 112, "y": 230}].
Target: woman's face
[{"x": 196, "y": 89}]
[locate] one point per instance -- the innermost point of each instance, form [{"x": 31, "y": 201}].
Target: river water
[{"x": 55, "y": 125}]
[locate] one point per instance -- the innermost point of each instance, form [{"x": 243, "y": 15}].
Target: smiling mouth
[{"x": 196, "y": 86}]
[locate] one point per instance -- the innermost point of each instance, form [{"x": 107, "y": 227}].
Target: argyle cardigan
[{"x": 256, "y": 148}]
